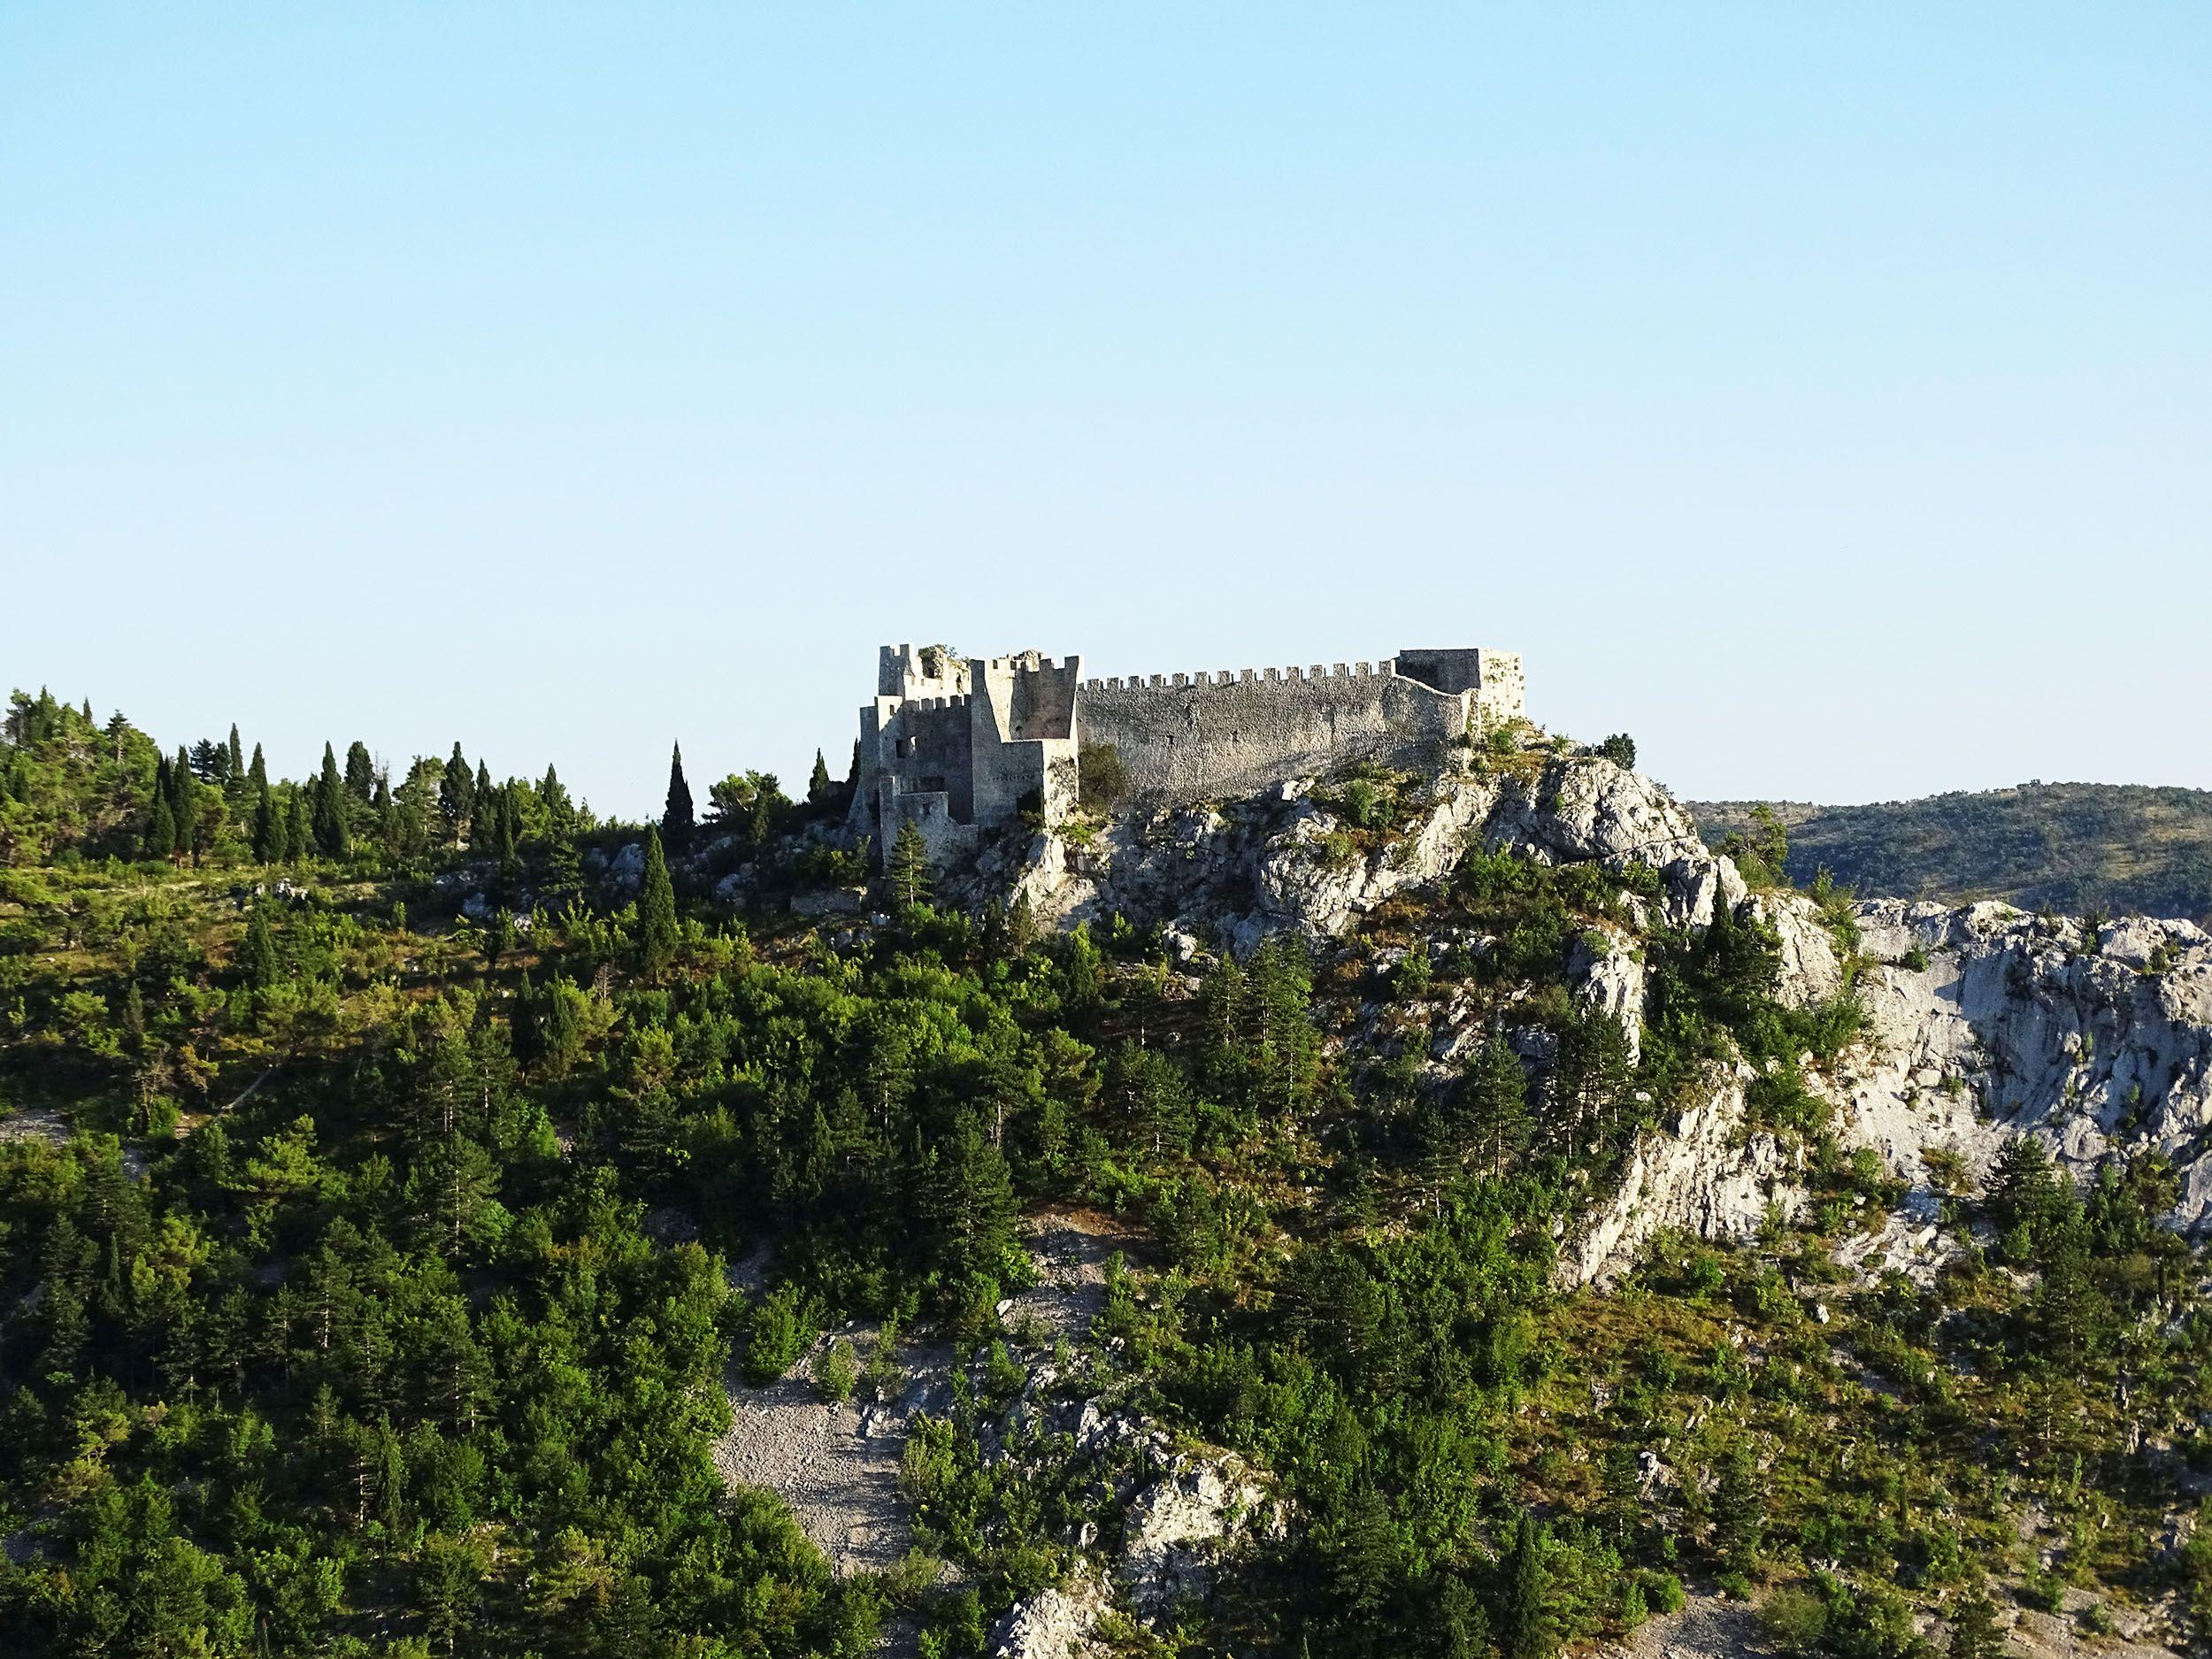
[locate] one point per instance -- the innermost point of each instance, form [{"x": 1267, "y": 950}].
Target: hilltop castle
[{"x": 953, "y": 746}]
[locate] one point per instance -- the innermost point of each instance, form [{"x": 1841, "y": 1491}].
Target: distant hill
[{"x": 2072, "y": 846}]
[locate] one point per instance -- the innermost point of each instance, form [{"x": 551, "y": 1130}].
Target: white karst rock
[
  {"x": 2019, "y": 1025},
  {"x": 1234, "y": 873},
  {"x": 1701, "y": 1176},
  {"x": 1056, "y": 1623},
  {"x": 1982, "y": 1023}
]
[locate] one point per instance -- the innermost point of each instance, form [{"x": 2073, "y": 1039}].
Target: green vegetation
[
  {"x": 2068, "y": 847},
  {"x": 331, "y": 1318}
]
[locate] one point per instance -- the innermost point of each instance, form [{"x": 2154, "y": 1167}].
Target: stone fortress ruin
[{"x": 957, "y": 746}]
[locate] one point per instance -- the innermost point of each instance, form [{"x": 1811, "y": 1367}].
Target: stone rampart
[{"x": 1217, "y": 735}]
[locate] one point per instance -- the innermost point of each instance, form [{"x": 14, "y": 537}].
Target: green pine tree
[
  {"x": 907, "y": 868},
  {"x": 678, "y": 820},
  {"x": 386, "y": 814},
  {"x": 456, "y": 797},
  {"x": 299, "y": 832},
  {"x": 257, "y": 773},
  {"x": 820, "y": 792},
  {"x": 268, "y": 826},
  {"x": 265, "y": 968},
  {"x": 1526, "y": 1629},
  {"x": 656, "y": 910},
  {"x": 483, "y": 811},
  {"x": 360, "y": 772},
  {"x": 1974, "y": 1633},
  {"x": 330, "y": 808},
  {"x": 184, "y": 803},
  {"x": 1497, "y": 1103},
  {"x": 161, "y": 834},
  {"x": 237, "y": 756}
]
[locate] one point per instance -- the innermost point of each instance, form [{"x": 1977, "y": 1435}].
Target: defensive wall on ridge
[
  {"x": 950, "y": 745},
  {"x": 1184, "y": 737}
]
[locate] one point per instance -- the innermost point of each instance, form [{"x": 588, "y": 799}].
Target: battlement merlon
[{"x": 991, "y": 740}]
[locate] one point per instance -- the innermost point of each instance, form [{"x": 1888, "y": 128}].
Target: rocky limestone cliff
[
  {"x": 1982, "y": 1023},
  {"x": 1234, "y": 873}
]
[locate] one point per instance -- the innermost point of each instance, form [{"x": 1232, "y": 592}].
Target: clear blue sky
[{"x": 1821, "y": 394}]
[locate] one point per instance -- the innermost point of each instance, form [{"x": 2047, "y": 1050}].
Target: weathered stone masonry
[{"x": 953, "y": 746}]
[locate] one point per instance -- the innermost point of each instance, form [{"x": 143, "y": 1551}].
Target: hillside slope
[
  {"x": 2068, "y": 847},
  {"x": 1391, "y": 1214}
]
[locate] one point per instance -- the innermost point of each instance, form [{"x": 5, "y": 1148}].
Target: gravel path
[{"x": 837, "y": 1466}]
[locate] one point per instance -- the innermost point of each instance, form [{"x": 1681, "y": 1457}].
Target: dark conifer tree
[
  {"x": 183, "y": 803},
  {"x": 456, "y": 797},
  {"x": 820, "y": 792},
  {"x": 1021, "y": 923},
  {"x": 259, "y": 770},
  {"x": 268, "y": 826},
  {"x": 264, "y": 967},
  {"x": 330, "y": 808},
  {"x": 1497, "y": 1102},
  {"x": 161, "y": 834},
  {"x": 483, "y": 811},
  {"x": 1974, "y": 1633},
  {"x": 360, "y": 772},
  {"x": 908, "y": 867},
  {"x": 677, "y": 821},
  {"x": 388, "y": 835},
  {"x": 560, "y": 812},
  {"x": 1525, "y": 1626},
  {"x": 237, "y": 754},
  {"x": 656, "y": 910},
  {"x": 299, "y": 831},
  {"x": 510, "y": 856}
]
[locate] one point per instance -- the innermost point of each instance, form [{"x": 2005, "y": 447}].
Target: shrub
[
  {"x": 837, "y": 1372},
  {"x": 1794, "y": 1619},
  {"x": 1663, "y": 1591},
  {"x": 780, "y": 1328},
  {"x": 1104, "y": 778},
  {"x": 1620, "y": 749}
]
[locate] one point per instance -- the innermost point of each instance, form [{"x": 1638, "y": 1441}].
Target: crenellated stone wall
[
  {"x": 1212, "y": 736},
  {"x": 951, "y": 745}
]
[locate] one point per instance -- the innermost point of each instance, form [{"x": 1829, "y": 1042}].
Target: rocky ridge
[{"x": 1981, "y": 1023}]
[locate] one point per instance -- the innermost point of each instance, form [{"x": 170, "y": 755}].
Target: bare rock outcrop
[
  {"x": 1985, "y": 1023},
  {"x": 1702, "y": 1175}
]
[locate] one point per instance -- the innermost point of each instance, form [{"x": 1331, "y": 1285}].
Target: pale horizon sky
[{"x": 1822, "y": 395}]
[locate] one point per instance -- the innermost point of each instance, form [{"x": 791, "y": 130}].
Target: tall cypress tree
[
  {"x": 386, "y": 814},
  {"x": 330, "y": 808},
  {"x": 264, "y": 967},
  {"x": 456, "y": 796},
  {"x": 161, "y": 834},
  {"x": 360, "y": 772},
  {"x": 259, "y": 772},
  {"x": 510, "y": 828},
  {"x": 299, "y": 832},
  {"x": 656, "y": 910},
  {"x": 237, "y": 754},
  {"x": 268, "y": 826},
  {"x": 1974, "y": 1633},
  {"x": 908, "y": 867},
  {"x": 678, "y": 820},
  {"x": 483, "y": 811},
  {"x": 1525, "y": 1628},
  {"x": 820, "y": 789},
  {"x": 184, "y": 802},
  {"x": 560, "y": 812}
]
